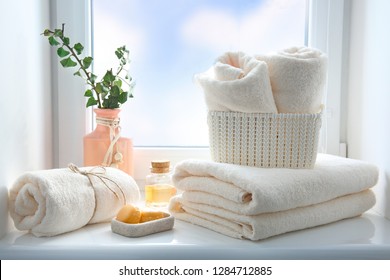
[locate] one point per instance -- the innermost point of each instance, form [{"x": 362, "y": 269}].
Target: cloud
[
  {"x": 264, "y": 28},
  {"x": 111, "y": 35},
  {"x": 210, "y": 28}
]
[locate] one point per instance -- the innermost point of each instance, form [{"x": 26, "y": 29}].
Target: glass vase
[{"x": 104, "y": 146}]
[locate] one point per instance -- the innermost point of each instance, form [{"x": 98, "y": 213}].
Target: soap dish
[{"x": 142, "y": 229}]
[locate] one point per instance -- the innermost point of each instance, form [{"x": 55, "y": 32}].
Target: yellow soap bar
[
  {"x": 129, "y": 214},
  {"x": 150, "y": 216}
]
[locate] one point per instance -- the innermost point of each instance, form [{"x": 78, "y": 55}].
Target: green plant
[{"x": 109, "y": 92}]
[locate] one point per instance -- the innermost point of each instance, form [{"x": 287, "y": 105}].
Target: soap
[
  {"x": 129, "y": 214},
  {"x": 150, "y": 216},
  {"x": 133, "y": 215}
]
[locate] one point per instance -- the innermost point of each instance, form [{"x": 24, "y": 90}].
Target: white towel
[
  {"x": 249, "y": 190},
  {"x": 238, "y": 82},
  {"x": 270, "y": 224},
  {"x": 298, "y": 76},
  {"x": 227, "y": 72},
  {"x": 51, "y": 202}
]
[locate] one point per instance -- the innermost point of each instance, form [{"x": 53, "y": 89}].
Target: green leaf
[
  {"x": 118, "y": 83},
  {"x": 46, "y": 32},
  {"x": 66, "y": 40},
  {"x": 99, "y": 88},
  {"x": 91, "y": 101},
  {"x": 122, "y": 97},
  {"x": 58, "y": 32},
  {"x": 77, "y": 74},
  {"x": 103, "y": 95},
  {"x": 127, "y": 77},
  {"x": 102, "y": 89},
  {"x": 124, "y": 49},
  {"x": 88, "y": 93},
  {"x": 79, "y": 48},
  {"x": 123, "y": 61},
  {"x": 68, "y": 62},
  {"x": 93, "y": 78},
  {"x": 62, "y": 52},
  {"x": 119, "y": 54},
  {"x": 87, "y": 61},
  {"x": 111, "y": 102},
  {"x": 106, "y": 89},
  {"x": 115, "y": 91},
  {"x": 109, "y": 77},
  {"x": 52, "y": 41}
]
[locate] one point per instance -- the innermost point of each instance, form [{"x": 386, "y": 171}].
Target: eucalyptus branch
[
  {"x": 87, "y": 74},
  {"x": 108, "y": 91}
]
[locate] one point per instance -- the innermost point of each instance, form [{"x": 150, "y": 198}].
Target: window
[
  {"x": 170, "y": 41},
  {"x": 326, "y": 22}
]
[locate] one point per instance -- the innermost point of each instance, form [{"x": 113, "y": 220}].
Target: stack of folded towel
[
  {"x": 55, "y": 201},
  {"x": 288, "y": 81},
  {"x": 257, "y": 203}
]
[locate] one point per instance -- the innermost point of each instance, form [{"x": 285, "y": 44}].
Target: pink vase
[{"x": 97, "y": 143}]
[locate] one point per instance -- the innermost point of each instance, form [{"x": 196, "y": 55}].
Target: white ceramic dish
[{"x": 142, "y": 229}]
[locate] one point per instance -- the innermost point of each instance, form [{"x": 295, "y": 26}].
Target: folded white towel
[
  {"x": 250, "y": 190},
  {"x": 298, "y": 77},
  {"x": 239, "y": 83},
  {"x": 270, "y": 224},
  {"x": 51, "y": 202}
]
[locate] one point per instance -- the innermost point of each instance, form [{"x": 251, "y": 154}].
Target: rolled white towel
[
  {"x": 51, "y": 202},
  {"x": 226, "y": 72},
  {"x": 238, "y": 82},
  {"x": 298, "y": 76}
]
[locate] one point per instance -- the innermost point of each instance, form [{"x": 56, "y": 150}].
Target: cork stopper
[{"x": 160, "y": 166}]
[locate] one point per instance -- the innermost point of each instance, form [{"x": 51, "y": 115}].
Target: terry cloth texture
[
  {"x": 298, "y": 76},
  {"x": 238, "y": 82},
  {"x": 51, "y": 202},
  {"x": 228, "y": 191}
]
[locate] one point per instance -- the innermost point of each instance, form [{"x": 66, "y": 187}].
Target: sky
[{"x": 172, "y": 40}]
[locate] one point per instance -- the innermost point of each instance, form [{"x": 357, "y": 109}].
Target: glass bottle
[
  {"x": 98, "y": 142},
  {"x": 158, "y": 185}
]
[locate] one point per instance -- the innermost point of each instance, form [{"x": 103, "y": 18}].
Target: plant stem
[
  {"x": 90, "y": 82},
  {"x": 85, "y": 71}
]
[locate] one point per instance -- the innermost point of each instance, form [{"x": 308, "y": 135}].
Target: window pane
[{"x": 170, "y": 41}]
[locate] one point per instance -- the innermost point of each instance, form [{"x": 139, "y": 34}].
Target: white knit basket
[{"x": 264, "y": 140}]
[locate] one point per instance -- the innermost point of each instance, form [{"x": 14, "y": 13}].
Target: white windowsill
[{"x": 364, "y": 237}]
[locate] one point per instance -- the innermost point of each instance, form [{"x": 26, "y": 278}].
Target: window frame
[{"x": 327, "y": 20}]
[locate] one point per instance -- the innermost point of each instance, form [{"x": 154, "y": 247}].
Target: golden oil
[{"x": 159, "y": 187}]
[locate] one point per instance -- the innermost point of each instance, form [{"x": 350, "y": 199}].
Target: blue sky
[{"x": 170, "y": 41}]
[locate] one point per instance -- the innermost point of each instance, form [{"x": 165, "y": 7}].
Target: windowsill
[{"x": 364, "y": 237}]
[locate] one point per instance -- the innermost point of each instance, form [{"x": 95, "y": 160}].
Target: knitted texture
[{"x": 264, "y": 139}]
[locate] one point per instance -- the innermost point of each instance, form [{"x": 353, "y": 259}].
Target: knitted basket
[{"x": 264, "y": 139}]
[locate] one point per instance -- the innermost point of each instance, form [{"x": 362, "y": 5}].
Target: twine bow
[{"x": 98, "y": 172}]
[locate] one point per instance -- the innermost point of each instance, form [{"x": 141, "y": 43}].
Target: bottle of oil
[{"x": 158, "y": 184}]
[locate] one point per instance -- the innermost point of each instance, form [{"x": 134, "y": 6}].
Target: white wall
[
  {"x": 368, "y": 127},
  {"x": 25, "y": 95}
]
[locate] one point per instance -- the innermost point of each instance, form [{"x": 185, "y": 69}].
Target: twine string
[
  {"x": 98, "y": 172},
  {"x": 113, "y": 125}
]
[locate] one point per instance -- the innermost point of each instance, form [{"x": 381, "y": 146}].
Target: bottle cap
[{"x": 160, "y": 166}]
